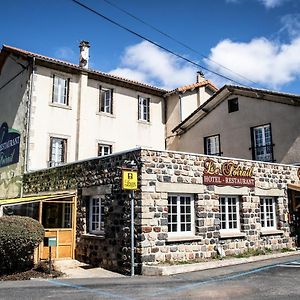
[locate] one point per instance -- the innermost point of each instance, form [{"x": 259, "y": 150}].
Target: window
[
  {"x": 212, "y": 145},
  {"x": 96, "y": 215},
  {"x": 180, "y": 214},
  {"x": 58, "y": 151},
  {"x": 267, "y": 213},
  {"x": 60, "y": 90},
  {"x": 57, "y": 215},
  {"x": 106, "y": 100},
  {"x": 229, "y": 212},
  {"x": 262, "y": 147},
  {"x": 104, "y": 149},
  {"x": 233, "y": 105},
  {"x": 144, "y": 109}
]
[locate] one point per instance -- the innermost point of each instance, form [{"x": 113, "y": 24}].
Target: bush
[{"x": 19, "y": 236}]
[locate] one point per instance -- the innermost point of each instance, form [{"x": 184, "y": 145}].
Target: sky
[{"x": 255, "y": 43}]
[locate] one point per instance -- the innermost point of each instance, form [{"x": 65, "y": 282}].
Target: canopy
[
  {"x": 35, "y": 198},
  {"x": 294, "y": 187}
]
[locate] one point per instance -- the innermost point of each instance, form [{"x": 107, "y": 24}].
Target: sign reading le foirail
[
  {"x": 228, "y": 173},
  {"x": 9, "y": 145}
]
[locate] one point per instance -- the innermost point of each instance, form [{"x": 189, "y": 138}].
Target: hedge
[{"x": 19, "y": 236}]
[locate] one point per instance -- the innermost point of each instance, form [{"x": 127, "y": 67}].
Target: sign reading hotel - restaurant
[
  {"x": 9, "y": 145},
  {"x": 228, "y": 173},
  {"x": 129, "y": 180}
]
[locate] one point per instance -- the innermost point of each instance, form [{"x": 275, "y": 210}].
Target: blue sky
[{"x": 258, "y": 39}]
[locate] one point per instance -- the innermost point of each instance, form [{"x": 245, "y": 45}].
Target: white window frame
[
  {"x": 96, "y": 215},
  {"x": 261, "y": 142},
  {"x": 61, "y": 87},
  {"x": 229, "y": 215},
  {"x": 212, "y": 145},
  {"x": 104, "y": 149},
  {"x": 178, "y": 214},
  {"x": 57, "y": 156},
  {"x": 106, "y": 100},
  {"x": 268, "y": 213},
  {"x": 144, "y": 109}
]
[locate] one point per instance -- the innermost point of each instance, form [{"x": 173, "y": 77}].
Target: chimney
[
  {"x": 84, "y": 54},
  {"x": 200, "y": 76}
]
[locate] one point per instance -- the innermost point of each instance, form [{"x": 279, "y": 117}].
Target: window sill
[
  {"x": 104, "y": 114},
  {"x": 271, "y": 232},
  {"x": 228, "y": 235},
  {"x": 93, "y": 236},
  {"x": 184, "y": 238},
  {"x": 64, "y": 106},
  {"x": 144, "y": 122}
]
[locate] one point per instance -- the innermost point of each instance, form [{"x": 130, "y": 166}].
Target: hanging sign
[
  {"x": 228, "y": 173},
  {"x": 129, "y": 180},
  {"x": 9, "y": 145}
]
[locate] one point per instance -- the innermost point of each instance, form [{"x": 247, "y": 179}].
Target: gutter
[{"x": 28, "y": 120}]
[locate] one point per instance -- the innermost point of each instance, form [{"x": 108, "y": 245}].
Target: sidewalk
[
  {"x": 160, "y": 270},
  {"x": 75, "y": 269}
]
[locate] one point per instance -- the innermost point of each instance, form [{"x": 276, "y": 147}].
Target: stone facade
[
  {"x": 165, "y": 172},
  {"x": 162, "y": 173},
  {"x": 112, "y": 250}
]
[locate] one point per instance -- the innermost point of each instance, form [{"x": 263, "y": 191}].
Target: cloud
[
  {"x": 291, "y": 25},
  {"x": 272, "y": 3},
  {"x": 266, "y": 3},
  {"x": 265, "y": 62},
  {"x": 147, "y": 63},
  {"x": 65, "y": 53}
]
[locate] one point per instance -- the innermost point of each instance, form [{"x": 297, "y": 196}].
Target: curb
[{"x": 151, "y": 270}]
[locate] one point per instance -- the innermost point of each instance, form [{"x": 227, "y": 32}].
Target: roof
[
  {"x": 193, "y": 86},
  {"x": 35, "y": 198},
  {"x": 45, "y": 60},
  {"x": 228, "y": 90}
]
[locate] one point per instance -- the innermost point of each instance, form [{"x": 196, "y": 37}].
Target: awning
[
  {"x": 294, "y": 187},
  {"x": 36, "y": 198}
]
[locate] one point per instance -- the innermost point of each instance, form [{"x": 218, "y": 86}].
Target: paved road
[{"x": 272, "y": 279}]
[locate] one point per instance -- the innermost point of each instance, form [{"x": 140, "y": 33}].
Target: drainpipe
[{"x": 28, "y": 121}]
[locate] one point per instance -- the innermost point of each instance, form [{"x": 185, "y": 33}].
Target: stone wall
[
  {"x": 167, "y": 172},
  {"x": 112, "y": 250},
  {"x": 162, "y": 173}
]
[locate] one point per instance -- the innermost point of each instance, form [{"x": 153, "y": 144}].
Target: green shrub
[{"x": 19, "y": 236}]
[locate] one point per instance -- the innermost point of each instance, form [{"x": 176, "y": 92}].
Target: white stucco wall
[
  {"x": 121, "y": 129},
  {"x": 234, "y": 129},
  {"x": 49, "y": 119},
  {"x": 13, "y": 109}
]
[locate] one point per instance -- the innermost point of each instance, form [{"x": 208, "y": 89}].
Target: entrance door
[
  {"x": 295, "y": 216},
  {"x": 58, "y": 221}
]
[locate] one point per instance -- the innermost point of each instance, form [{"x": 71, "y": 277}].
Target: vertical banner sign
[
  {"x": 129, "y": 180},
  {"x": 9, "y": 145}
]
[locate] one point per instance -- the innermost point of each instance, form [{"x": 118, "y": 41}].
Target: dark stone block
[{"x": 162, "y": 236}]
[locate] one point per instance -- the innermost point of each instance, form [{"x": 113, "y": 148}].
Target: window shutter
[
  {"x": 53, "y": 89},
  {"x": 252, "y": 142},
  {"x": 205, "y": 145},
  {"x": 148, "y": 109},
  {"x": 111, "y": 100},
  {"x": 139, "y": 107},
  {"x": 100, "y": 99},
  {"x": 50, "y": 151},
  {"x": 64, "y": 150},
  {"x": 68, "y": 91}
]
